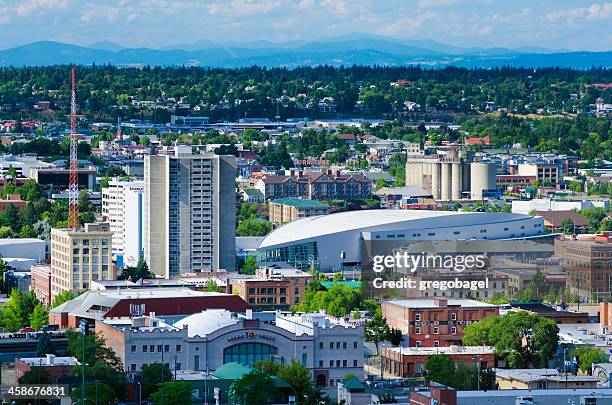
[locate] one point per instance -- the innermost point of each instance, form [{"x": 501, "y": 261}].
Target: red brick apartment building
[
  {"x": 588, "y": 264},
  {"x": 435, "y": 321}
]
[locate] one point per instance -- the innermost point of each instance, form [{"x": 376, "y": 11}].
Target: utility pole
[{"x": 84, "y": 328}]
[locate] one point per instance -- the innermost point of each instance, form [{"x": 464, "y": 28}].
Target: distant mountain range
[{"x": 359, "y": 49}]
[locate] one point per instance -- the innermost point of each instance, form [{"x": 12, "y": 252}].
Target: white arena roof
[{"x": 372, "y": 220}]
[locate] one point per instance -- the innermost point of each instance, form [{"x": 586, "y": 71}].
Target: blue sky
[{"x": 557, "y": 24}]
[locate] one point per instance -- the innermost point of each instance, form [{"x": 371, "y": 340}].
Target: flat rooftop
[
  {"x": 427, "y": 351},
  {"x": 434, "y": 303}
]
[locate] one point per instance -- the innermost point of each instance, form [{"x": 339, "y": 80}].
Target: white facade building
[
  {"x": 319, "y": 241},
  {"x": 546, "y": 204},
  {"x": 329, "y": 347},
  {"x": 122, "y": 209}
]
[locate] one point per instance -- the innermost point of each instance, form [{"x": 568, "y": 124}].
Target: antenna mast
[{"x": 73, "y": 188}]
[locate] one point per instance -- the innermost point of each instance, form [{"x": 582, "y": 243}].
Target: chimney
[
  {"x": 441, "y": 302},
  {"x": 228, "y": 287}
]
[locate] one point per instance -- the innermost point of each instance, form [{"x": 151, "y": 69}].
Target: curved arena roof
[{"x": 378, "y": 220}]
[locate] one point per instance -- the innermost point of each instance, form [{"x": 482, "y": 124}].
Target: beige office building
[
  {"x": 80, "y": 256},
  {"x": 189, "y": 214}
]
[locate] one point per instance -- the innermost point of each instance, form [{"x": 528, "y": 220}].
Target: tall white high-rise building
[
  {"x": 189, "y": 212},
  {"x": 122, "y": 208}
]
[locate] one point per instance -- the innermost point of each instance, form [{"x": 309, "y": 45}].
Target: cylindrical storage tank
[
  {"x": 445, "y": 181},
  {"x": 482, "y": 178},
  {"x": 466, "y": 176},
  {"x": 435, "y": 180},
  {"x": 457, "y": 180}
]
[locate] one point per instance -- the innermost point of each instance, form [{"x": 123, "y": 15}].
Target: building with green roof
[{"x": 289, "y": 209}]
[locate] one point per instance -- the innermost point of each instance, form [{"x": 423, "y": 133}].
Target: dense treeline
[{"x": 254, "y": 92}]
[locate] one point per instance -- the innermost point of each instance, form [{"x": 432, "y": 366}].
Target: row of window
[
  {"x": 338, "y": 363},
  {"x": 151, "y": 348},
  {"x": 436, "y": 330},
  {"x": 337, "y": 345}
]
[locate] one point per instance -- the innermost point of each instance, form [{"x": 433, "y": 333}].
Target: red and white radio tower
[{"x": 73, "y": 188}]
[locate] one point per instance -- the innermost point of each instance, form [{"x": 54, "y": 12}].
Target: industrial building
[
  {"x": 319, "y": 241},
  {"x": 189, "y": 212},
  {"x": 452, "y": 176}
]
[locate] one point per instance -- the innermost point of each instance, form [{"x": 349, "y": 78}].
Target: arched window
[{"x": 248, "y": 353}]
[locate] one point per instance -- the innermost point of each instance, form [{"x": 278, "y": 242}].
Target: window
[
  {"x": 159, "y": 348},
  {"x": 354, "y": 345},
  {"x": 177, "y": 366},
  {"x": 417, "y": 317},
  {"x": 166, "y": 348},
  {"x": 344, "y": 362},
  {"x": 320, "y": 345},
  {"x": 453, "y": 330},
  {"x": 132, "y": 367},
  {"x": 436, "y": 330},
  {"x": 453, "y": 316},
  {"x": 320, "y": 363},
  {"x": 331, "y": 363},
  {"x": 337, "y": 345},
  {"x": 417, "y": 344},
  {"x": 337, "y": 363},
  {"x": 417, "y": 330},
  {"x": 344, "y": 345},
  {"x": 437, "y": 343},
  {"x": 178, "y": 348},
  {"x": 248, "y": 353},
  {"x": 133, "y": 348},
  {"x": 354, "y": 363},
  {"x": 144, "y": 348},
  {"x": 152, "y": 348},
  {"x": 331, "y": 345}
]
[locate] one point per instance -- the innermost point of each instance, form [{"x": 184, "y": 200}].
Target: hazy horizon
[{"x": 560, "y": 24}]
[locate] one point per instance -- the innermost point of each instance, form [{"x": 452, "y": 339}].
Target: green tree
[
  {"x": 587, "y": 355},
  {"x": 339, "y": 300},
  {"x": 526, "y": 340},
  {"x": 297, "y": 376},
  {"x": 151, "y": 376},
  {"x": 95, "y": 350},
  {"x": 44, "y": 345},
  {"x": 249, "y": 266},
  {"x": 441, "y": 369},
  {"x": 212, "y": 286},
  {"x": 16, "y": 313},
  {"x": 36, "y": 375},
  {"x": 95, "y": 393},
  {"x": 376, "y": 329},
  {"x": 254, "y": 227},
  {"x": 254, "y": 388},
  {"x": 64, "y": 296},
  {"x": 39, "y": 317},
  {"x": 268, "y": 367},
  {"x": 175, "y": 393}
]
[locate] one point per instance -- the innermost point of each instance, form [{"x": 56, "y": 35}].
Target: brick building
[
  {"x": 435, "y": 322},
  {"x": 54, "y": 366},
  {"x": 588, "y": 264},
  {"x": 316, "y": 186},
  {"x": 272, "y": 288},
  {"x": 12, "y": 199},
  {"x": 406, "y": 362},
  {"x": 40, "y": 282}
]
